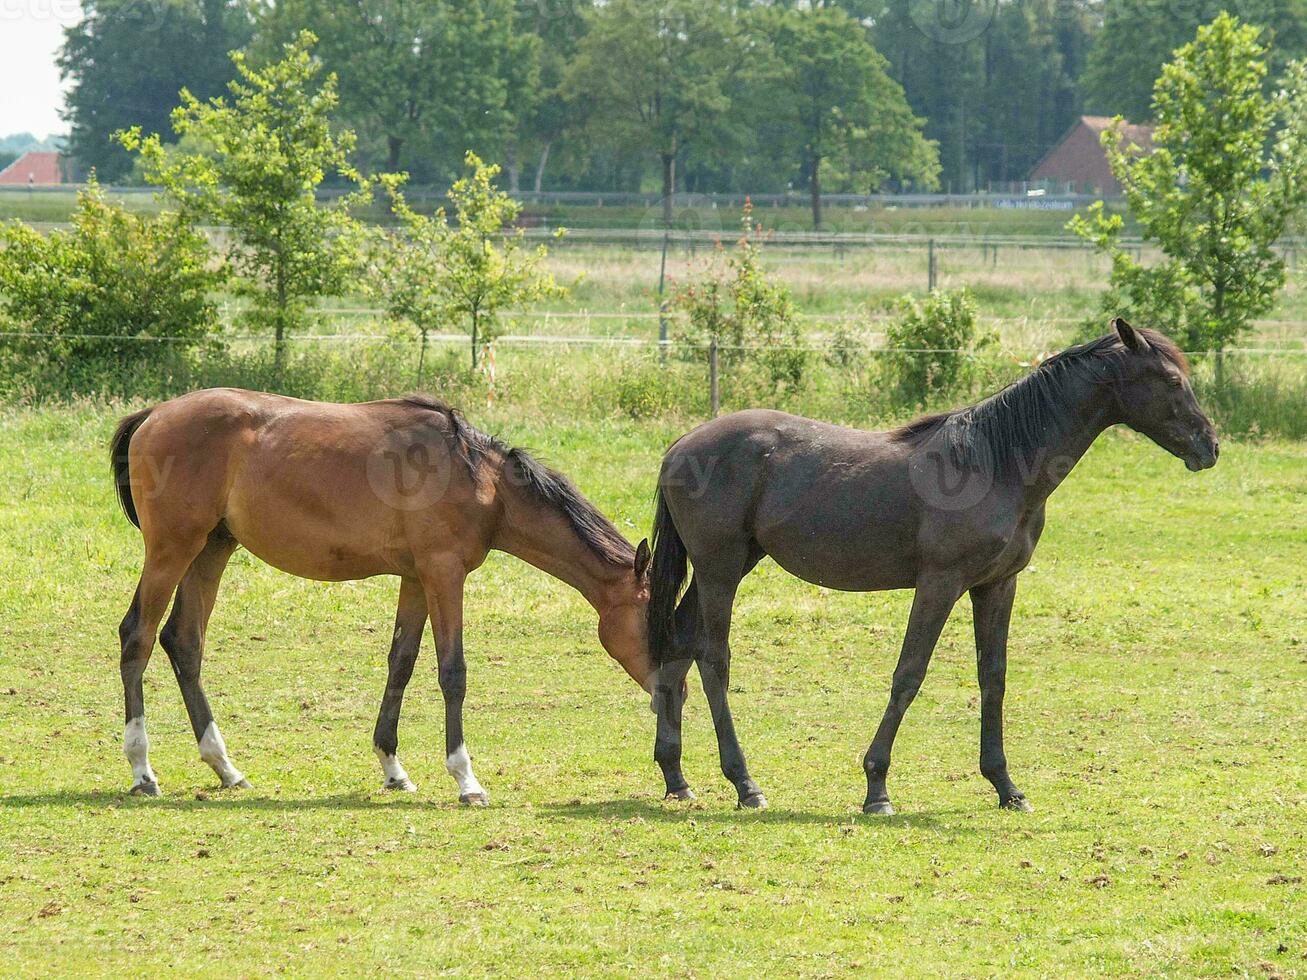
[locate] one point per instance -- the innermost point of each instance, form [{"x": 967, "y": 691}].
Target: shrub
[
  {"x": 935, "y": 339},
  {"x": 751, "y": 318},
  {"x": 91, "y": 294}
]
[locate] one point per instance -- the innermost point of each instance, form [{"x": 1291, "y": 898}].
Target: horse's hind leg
[
  {"x": 410, "y": 620},
  {"x": 669, "y": 698},
  {"x": 443, "y": 584},
  {"x": 669, "y": 695},
  {"x": 716, "y": 583},
  {"x": 164, "y": 566},
  {"x": 183, "y": 640}
]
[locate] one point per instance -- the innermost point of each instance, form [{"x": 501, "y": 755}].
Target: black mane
[
  {"x": 547, "y": 486},
  {"x": 1007, "y": 425}
]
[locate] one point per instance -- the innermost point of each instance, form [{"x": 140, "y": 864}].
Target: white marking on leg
[
  {"x": 136, "y": 746},
  {"x": 396, "y": 777},
  {"x": 459, "y": 765},
  {"x": 213, "y": 750}
]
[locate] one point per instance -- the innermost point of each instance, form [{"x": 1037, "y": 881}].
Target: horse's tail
[
  {"x": 122, "y": 439},
  {"x": 666, "y": 576}
]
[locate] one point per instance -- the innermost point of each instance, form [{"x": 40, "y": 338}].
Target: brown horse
[
  {"x": 335, "y": 492},
  {"x": 948, "y": 504}
]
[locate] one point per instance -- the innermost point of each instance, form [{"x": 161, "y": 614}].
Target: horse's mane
[
  {"x": 546, "y": 486},
  {"x": 1010, "y": 423}
]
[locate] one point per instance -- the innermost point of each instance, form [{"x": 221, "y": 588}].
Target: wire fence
[{"x": 545, "y": 340}]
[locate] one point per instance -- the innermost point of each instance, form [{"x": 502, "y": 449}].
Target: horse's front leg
[
  {"x": 444, "y": 587},
  {"x": 410, "y": 620},
  {"x": 992, "y": 608},
  {"x": 931, "y": 606}
]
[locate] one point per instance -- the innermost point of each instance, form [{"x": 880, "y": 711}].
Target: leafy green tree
[
  {"x": 660, "y": 75},
  {"x": 126, "y": 60},
  {"x": 1139, "y": 36},
  {"x": 271, "y": 146},
  {"x": 543, "y": 119},
  {"x": 1227, "y": 173},
  {"x": 833, "y": 88},
  {"x": 435, "y": 272},
  {"x": 425, "y": 79},
  {"x": 994, "y": 99},
  {"x": 96, "y": 291},
  {"x": 1034, "y": 53}
]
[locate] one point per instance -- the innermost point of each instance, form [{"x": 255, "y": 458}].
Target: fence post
[
  {"x": 662, "y": 302},
  {"x": 714, "y": 397},
  {"x": 930, "y": 265}
]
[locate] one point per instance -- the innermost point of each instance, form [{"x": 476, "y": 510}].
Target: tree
[
  {"x": 427, "y": 79},
  {"x": 543, "y": 118},
  {"x": 1227, "y": 173},
  {"x": 1139, "y": 36},
  {"x": 1033, "y": 55},
  {"x": 1000, "y": 94},
  {"x": 97, "y": 289},
  {"x": 407, "y": 274},
  {"x": 834, "y": 89},
  {"x": 435, "y": 272},
  {"x": 659, "y": 75},
  {"x": 126, "y": 60},
  {"x": 270, "y": 148}
]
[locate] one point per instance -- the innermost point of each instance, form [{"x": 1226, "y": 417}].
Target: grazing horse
[
  {"x": 334, "y": 492},
  {"x": 947, "y": 504}
]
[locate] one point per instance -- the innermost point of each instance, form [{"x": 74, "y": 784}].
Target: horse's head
[
  {"x": 1156, "y": 399},
  {"x": 622, "y": 622}
]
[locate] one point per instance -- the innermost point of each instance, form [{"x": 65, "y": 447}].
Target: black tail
[
  {"x": 666, "y": 576},
  {"x": 122, "y": 439}
]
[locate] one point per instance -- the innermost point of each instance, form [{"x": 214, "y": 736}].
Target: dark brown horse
[
  {"x": 335, "y": 492},
  {"x": 948, "y": 504}
]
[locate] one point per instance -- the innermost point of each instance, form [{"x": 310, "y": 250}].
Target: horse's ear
[
  {"x": 642, "y": 557},
  {"x": 1129, "y": 336}
]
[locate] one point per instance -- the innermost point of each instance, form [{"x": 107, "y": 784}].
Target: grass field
[
  {"x": 50, "y": 205},
  {"x": 1155, "y": 720}
]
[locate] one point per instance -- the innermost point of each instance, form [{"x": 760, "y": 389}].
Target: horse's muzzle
[{"x": 1204, "y": 454}]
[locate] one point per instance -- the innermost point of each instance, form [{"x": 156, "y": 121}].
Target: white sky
[{"x": 31, "y": 32}]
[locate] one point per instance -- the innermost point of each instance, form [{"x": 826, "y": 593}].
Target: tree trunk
[
  {"x": 422, "y": 356},
  {"x": 512, "y": 167},
  {"x": 279, "y": 345},
  {"x": 474, "y": 339},
  {"x": 394, "y": 144},
  {"x": 1223, "y": 336},
  {"x": 814, "y": 185},
  {"x": 669, "y": 186},
  {"x": 540, "y": 166}
]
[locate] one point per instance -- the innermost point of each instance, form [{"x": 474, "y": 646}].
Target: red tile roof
[
  {"x": 1078, "y": 159},
  {"x": 33, "y": 168}
]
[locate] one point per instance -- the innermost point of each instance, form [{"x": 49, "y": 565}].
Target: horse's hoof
[
  {"x": 882, "y": 807},
  {"x": 474, "y": 799},
  {"x": 684, "y": 793},
  {"x": 754, "y": 801},
  {"x": 1018, "y": 803},
  {"x": 404, "y": 785},
  {"x": 146, "y": 787},
  {"x": 241, "y": 783}
]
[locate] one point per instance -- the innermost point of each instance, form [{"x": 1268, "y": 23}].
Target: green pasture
[
  {"x": 1155, "y": 720},
  {"x": 49, "y": 204}
]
